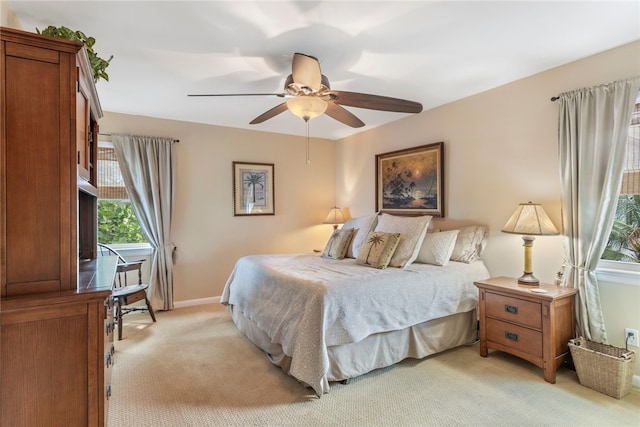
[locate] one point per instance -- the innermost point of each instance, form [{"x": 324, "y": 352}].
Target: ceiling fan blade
[
  {"x": 342, "y": 115},
  {"x": 269, "y": 114},
  {"x": 281, "y": 95},
  {"x": 375, "y": 102},
  {"x": 305, "y": 70}
]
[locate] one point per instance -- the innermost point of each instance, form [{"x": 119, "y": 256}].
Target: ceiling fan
[{"x": 309, "y": 95}]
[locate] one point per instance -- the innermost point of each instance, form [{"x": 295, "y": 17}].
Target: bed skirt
[{"x": 376, "y": 351}]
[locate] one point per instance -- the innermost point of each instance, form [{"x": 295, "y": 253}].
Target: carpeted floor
[{"x": 194, "y": 368}]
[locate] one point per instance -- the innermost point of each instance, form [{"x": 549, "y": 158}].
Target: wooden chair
[{"x": 123, "y": 293}]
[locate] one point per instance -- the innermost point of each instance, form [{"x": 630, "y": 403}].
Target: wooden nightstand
[{"x": 533, "y": 326}]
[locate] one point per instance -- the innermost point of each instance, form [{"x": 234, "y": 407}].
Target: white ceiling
[{"x": 432, "y": 52}]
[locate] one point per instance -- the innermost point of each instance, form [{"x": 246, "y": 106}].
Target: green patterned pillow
[
  {"x": 338, "y": 244},
  {"x": 378, "y": 249}
]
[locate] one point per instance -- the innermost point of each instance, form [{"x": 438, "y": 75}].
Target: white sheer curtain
[
  {"x": 148, "y": 170},
  {"x": 592, "y": 134}
]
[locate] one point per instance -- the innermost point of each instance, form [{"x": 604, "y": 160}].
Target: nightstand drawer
[
  {"x": 515, "y": 310},
  {"x": 515, "y": 337}
]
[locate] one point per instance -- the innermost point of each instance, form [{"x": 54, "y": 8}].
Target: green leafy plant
[
  {"x": 117, "y": 223},
  {"x": 624, "y": 240},
  {"x": 98, "y": 65}
]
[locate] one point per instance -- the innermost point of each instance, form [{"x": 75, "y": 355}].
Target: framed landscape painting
[
  {"x": 411, "y": 181},
  {"x": 253, "y": 189}
]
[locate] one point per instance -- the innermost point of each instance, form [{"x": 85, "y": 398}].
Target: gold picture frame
[
  {"x": 411, "y": 181},
  {"x": 253, "y": 189}
]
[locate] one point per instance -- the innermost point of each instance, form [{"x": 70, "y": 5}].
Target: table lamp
[
  {"x": 335, "y": 217},
  {"x": 530, "y": 220}
]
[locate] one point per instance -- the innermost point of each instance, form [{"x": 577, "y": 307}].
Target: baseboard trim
[{"x": 199, "y": 301}]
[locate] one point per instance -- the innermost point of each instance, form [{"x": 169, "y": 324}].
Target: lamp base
[{"x": 528, "y": 279}]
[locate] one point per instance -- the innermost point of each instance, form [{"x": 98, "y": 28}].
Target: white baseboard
[{"x": 199, "y": 301}]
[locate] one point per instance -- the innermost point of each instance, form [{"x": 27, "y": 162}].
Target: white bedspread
[{"x": 307, "y": 303}]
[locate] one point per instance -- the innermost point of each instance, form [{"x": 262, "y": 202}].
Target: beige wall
[
  {"x": 209, "y": 238},
  {"x": 500, "y": 150},
  {"x": 621, "y": 307}
]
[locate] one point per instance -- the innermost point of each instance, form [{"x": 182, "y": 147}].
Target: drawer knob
[
  {"x": 511, "y": 336},
  {"x": 108, "y": 391},
  {"x": 511, "y": 309}
]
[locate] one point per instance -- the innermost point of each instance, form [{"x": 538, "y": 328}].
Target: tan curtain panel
[
  {"x": 593, "y": 126},
  {"x": 148, "y": 166}
]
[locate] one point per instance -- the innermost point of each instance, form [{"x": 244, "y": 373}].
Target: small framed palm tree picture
[{"x": 253, "y": 189}]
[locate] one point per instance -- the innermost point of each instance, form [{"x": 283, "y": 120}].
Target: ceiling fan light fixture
[
  {"x": 307, "y": 107},
  {"x": 311, "y": 96}
]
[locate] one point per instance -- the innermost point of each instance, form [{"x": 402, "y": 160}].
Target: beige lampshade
[
  {"x": 306, "y": 106},
  {"x": 335, "y": 217},
  {"x": 530, "y": 219}
]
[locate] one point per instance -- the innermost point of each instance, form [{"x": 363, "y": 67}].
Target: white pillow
[
  {"x": 412, "y": 230},
  {"x": 437, "y": 247},
  {"x": 336, "y": 247},
  {"x": 362, "y": 226},
  {"x": 470, "y": 244}
]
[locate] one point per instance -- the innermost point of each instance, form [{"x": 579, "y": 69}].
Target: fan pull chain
[{"x": 308, "y": 154}]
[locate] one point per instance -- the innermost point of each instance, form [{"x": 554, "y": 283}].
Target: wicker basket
[{"x": 603, "y": 367}]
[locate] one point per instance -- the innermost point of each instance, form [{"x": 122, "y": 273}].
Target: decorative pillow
[
  {"x": 338, "y": 244},
  {"x": 362, "y": 226},
  {"x": 412, "y": 230},
  {"x": 470, "y": 244},
  {"x": 378, "y": 249},
  {"x": 437, "y": 247}
]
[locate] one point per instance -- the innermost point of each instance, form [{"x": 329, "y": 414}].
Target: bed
[{"x": 324, "y": 319}]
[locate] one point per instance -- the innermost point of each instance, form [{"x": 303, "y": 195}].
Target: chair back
[
  {"x": 124, "y": 295},
  {"x": 105, "y": 250},
  {"x": 124, "y": 266}
]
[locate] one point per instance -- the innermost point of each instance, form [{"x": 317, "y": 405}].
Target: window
[
  {"x": 117, "y": 222},
  {"x": 623, "y": 245}
]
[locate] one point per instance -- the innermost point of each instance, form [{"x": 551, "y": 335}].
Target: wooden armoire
[{"x": 56, "y": 326}]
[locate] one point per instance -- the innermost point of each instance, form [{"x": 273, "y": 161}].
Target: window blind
[
  {"x": 631, "y": 175},
  {"x": 110, "y": 183}
]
